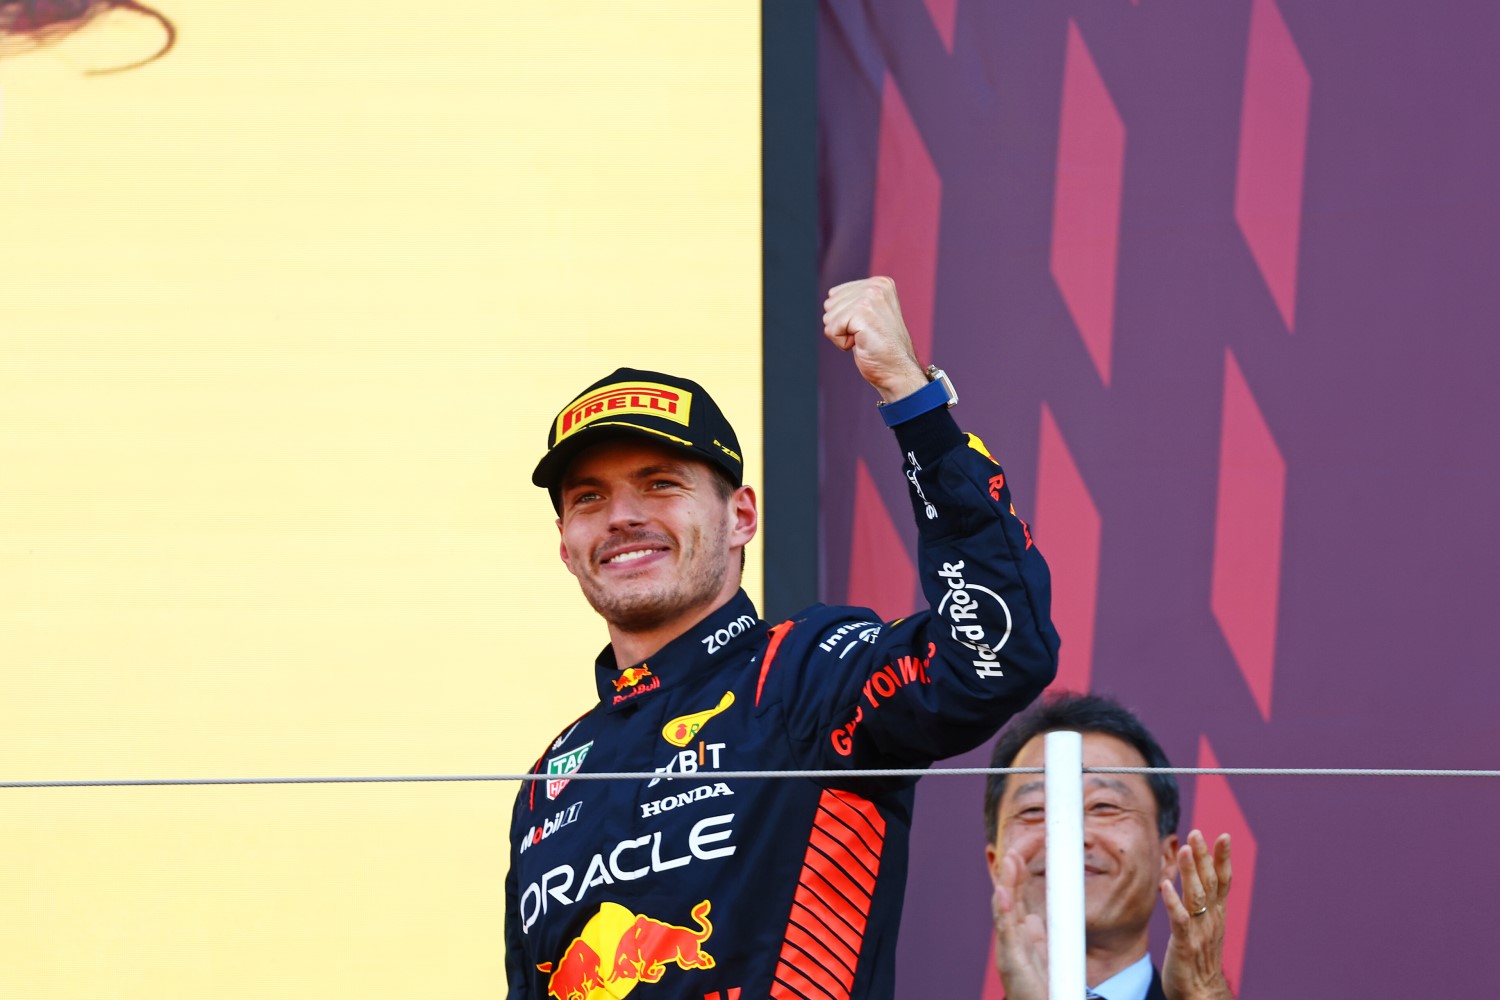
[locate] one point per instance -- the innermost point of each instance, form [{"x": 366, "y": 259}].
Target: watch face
[{"x": 936, "y": 374}]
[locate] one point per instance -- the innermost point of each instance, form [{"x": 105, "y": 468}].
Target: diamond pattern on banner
[
  {"x": 944, "y": 14},
  {"x": 1216, "y": 811},
  {"x": 1248, "y": 535},
  {"x": 881, "y": 573},
  {"x": 908, "y": 198},
  {"x": 1068, "y": 529},
  {"x": 1086, "y": 205},
  {"x": 1273, "y": 153}
]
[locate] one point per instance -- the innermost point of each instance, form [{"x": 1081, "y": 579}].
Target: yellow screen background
[{"x": 284, "y": 318}]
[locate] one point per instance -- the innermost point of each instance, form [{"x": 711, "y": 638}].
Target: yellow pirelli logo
[{"x": 625, "y": 398}]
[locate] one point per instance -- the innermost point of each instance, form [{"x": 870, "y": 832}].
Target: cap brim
[{"x": 549, "y": 471}]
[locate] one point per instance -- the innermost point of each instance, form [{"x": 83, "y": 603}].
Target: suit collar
[{"x": 713, "y": 640}]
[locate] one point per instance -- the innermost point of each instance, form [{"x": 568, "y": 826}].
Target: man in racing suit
[{"x": 694, "y": 884}]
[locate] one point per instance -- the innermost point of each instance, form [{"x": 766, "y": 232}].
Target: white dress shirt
[{"x": 1130, "y": 983}]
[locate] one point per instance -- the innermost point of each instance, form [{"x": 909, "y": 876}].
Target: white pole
[{"x": 1064, "y": 790}]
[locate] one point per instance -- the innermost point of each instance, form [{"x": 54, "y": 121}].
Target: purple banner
[{"x": 1218, "y": 286}]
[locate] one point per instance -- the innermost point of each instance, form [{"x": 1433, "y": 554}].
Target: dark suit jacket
[{"x": 1155, "y": 993}]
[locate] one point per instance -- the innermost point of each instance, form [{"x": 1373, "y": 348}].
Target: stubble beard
[{"x": 634, "y": 608}]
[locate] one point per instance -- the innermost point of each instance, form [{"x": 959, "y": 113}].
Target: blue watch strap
[{"x": 931, "y": 396}]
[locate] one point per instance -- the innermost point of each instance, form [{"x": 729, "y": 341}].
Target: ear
[
  {"x": 1169, "y": 846},
  {"x": 992, "y": 857},
  {"x": 746, "y": 517},
  {"x": 562, "y": 549}
]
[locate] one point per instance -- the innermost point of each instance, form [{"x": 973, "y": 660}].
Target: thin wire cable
[{"x": 901, "y": 772}]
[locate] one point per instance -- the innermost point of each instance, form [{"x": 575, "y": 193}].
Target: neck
[
  {"x": 1104, "y": 961},
  {"x": 633, "y": 646}
]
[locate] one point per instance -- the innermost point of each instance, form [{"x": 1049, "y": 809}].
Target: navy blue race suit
[{"x": 688, "y": 886}]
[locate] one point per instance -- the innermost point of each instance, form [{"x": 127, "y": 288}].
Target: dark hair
[
  {"x": 1083, "y": 713},
  {"x": 724, "y": 487},
  {"x": 26, "y": 24}
]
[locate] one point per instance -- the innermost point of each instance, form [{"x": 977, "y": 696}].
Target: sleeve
[
  {"x": 517, "y": 963},
  {"x": 945, "y": 679}
]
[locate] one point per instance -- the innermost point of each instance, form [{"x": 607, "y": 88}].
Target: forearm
[{"x": 987, "y": 586}]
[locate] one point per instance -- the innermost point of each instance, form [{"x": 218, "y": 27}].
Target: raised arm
[{"x": 942, "y": 680}]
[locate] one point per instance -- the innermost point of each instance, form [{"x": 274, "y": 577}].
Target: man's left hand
[{"x": 1194, "y": 965}]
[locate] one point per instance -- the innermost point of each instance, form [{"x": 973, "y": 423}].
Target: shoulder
[
  {"x": 558, "y": 747},
  {"x": 816, "y": 656},
  {"x": 563, "y": 734},
  {"x": 825, "y": 629}
]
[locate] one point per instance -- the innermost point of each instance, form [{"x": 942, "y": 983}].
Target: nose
[
  {"x": 625, "y": 510},
  {"x": 1089, "y": 833}
]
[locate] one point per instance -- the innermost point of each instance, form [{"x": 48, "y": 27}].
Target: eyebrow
[
  {"x": 661, "y": 469},
  {"x": 1114, "y": 784},
  {"x": 645, "y": 472},
  {"x": 1029, "y": 787},
  {"x": 572, "y": 483},
  {"x": 1093, "y": 781}
]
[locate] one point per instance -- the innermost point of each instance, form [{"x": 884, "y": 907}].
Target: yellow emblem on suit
[{"x": 680, "y": 731}]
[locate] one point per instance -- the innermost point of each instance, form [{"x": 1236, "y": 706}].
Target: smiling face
[
  {"x": 1124, "y": 856},
  {"x": 650, "y": 535}
]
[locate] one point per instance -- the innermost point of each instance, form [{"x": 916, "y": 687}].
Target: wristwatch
[{"x": 937, "y": 392}]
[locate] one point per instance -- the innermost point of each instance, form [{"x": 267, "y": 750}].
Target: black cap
[{"x": 663, "y": 408}]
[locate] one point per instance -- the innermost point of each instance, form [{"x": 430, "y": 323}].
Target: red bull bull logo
[
  {"x": 631, "y": 676},
  {"x": 577, "y": 974},
  {"x": 638, "y": 689},
  {"x": 641, "y": 947}
]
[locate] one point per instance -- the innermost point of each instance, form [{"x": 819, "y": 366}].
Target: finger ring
[{"x": 1198, "y": 913}]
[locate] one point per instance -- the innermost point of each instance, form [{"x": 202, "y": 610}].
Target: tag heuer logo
[{"x": 565, "y": 764}]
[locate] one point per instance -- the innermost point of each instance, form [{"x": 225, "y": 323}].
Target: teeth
[{"x": 628, "y": 556}]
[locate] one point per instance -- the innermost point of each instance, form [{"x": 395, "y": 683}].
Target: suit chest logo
[
  {"x": 564, "y": 764},
  {"x": 680, "y": 731}
]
